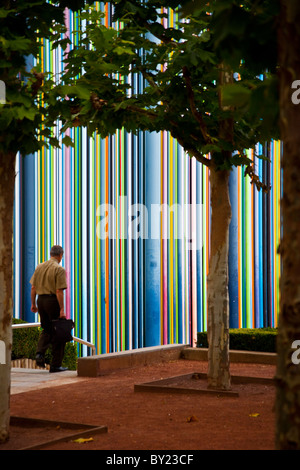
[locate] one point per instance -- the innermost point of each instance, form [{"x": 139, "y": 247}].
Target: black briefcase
[{"x": 62, "y": 328}]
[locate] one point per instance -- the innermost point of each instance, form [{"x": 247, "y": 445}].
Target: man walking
[{"x": 48, "y": 283}]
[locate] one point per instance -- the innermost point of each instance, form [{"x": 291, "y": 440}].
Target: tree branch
[
  {"x": 194, "y": 110},
  {"x": 190, "y": 149},
  {"x": 161, "y": 37},
  {"x": 149, "y": 79},
  {"x": 98, "y": 104}
]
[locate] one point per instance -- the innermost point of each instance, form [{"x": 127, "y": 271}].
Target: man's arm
[
  {"x": 33, "y": 296},
  {"x": 60, "y": 298}
]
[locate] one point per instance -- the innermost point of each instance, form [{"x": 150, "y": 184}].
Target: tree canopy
[
  {"x": 195, "y": 78},
  {"x": 24, "y": 25}
]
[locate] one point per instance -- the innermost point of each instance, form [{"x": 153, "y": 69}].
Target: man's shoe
[
  {"x": 58, "y": 369},
  {"x": 40, "y": 360}
]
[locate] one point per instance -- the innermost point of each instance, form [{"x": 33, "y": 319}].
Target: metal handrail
[{"x": 78, "y": 340}]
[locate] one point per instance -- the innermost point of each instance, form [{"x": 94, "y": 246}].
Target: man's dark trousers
[{"x": 48, "y": 308}]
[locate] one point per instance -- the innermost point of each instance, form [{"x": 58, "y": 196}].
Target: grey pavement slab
[{"x": 24, "y": 380}]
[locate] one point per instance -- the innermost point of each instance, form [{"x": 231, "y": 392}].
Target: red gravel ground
[{"x": 142, "y": 420}]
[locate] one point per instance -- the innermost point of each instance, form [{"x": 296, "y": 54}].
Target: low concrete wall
[
  {"x": 200, "y": 354},
  {"x": 93, "y": 366}
]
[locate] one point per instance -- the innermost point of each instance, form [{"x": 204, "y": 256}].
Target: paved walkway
[{"x": 24, "y": 380}]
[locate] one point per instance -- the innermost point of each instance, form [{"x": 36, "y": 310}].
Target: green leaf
[
  {"x": 238, "y": 160},
  {"x": 235, "y": 95},
  {"x": 67, "y": 140},
  {"x": 25, "y": 113},
  {"x": 79, "y": 91},
  {"x": 123, "y": 50},
  {"x": 20, "y": 44},
  {"x": 4, "y": 13}
]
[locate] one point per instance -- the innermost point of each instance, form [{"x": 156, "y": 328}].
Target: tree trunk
[
  {"x": 288, "y": 370},
  {"x": 7, "y": 182},
  {"x": 217, "y": 283}
]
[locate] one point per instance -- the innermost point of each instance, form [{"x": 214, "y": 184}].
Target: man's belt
[{"x": 47, "y": 295}]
